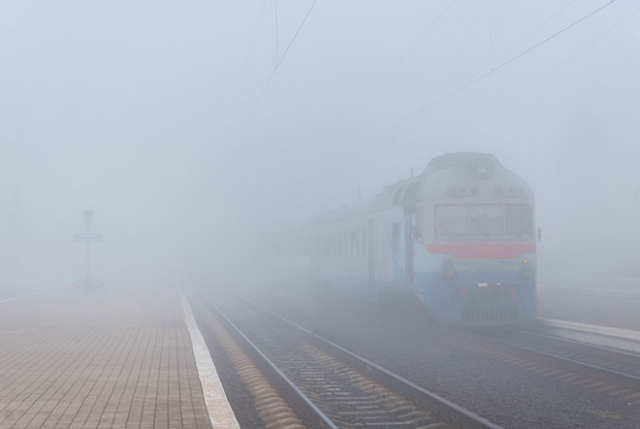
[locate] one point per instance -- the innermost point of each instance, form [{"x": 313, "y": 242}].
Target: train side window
[
  {"x": 354, "y": 243},
  {"x": 395, "y": 237},
  {"x": 417, "y": 231},
  {"x": 345, "y": 248},
  {"x": 364, "y": 243},
  {"x": 345, "y": 244}
]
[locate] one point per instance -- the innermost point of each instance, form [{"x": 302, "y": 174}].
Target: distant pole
[{"x": 88, "y": 217}]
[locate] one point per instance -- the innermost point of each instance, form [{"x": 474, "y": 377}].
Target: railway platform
[
  {"x": 609, "y": 305},
  {"x": 117, "y": 360}
]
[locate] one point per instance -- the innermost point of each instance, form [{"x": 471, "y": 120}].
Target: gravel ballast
[{"x": 443, "y": 360}]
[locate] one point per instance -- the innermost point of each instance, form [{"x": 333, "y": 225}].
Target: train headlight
[{"x": 526, "y": 268}]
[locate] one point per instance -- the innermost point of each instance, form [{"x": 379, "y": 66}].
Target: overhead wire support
[
  {"x": 284, "y": 55},
  {"x": 499, "y": 66}
]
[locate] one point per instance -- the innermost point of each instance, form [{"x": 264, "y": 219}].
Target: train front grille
[{"x": 489, "y": 315}]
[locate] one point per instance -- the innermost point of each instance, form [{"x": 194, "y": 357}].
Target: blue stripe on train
[{"x": 447, "y": 302}]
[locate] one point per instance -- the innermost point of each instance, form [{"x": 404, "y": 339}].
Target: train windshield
[
  {"x": 519, "y": 219},
  {"x": 487, "y": 219},
  {"x": 451, "y": 219},
  {"x": 484, "y": 219}
]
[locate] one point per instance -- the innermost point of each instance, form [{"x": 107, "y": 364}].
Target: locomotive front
[{"x": 478, "y": 252}]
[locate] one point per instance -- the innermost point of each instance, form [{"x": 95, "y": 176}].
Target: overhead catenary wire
[
  {"x": 499, "y": 67},
  {"x": 284, "y": 55},
  {"x": 412, "y": 45},
  {"x": 253, "y": 38},
  {"x": 243, "y": 71},
  {"x": 277, "y": 36},
  {"x": 295, "y": 36},
  {"x": 590, "y": 44},
  {"x": 493, "y": 51},
  {"x": 542, "y": 24}
]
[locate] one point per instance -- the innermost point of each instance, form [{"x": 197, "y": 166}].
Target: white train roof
[{"x": 456, "y": 177}]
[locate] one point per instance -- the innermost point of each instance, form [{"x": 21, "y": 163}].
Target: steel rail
[
  {"x": 302, "y": 405},
  {"x": 606, "y": 374},
  {"x": 443, "y": 408}
]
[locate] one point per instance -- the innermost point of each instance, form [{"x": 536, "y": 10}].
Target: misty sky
[{"x": 146, "y": 112}]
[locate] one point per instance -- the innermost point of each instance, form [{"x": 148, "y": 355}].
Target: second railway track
[
  {"x": 328, "y": 386},
  {"x": 618, "y": 367}
]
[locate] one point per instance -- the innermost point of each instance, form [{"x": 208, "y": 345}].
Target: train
[{"x": 459, "y": 238}]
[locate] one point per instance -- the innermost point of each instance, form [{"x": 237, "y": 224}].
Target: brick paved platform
[{"x": 117, "y": 360}]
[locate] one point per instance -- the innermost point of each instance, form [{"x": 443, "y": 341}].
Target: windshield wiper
[{"x": 477, "y": 226}]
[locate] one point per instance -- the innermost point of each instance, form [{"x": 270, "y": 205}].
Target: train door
[
  {"x": 408, "y": 250},
  {"x": 371, "y": 242}
]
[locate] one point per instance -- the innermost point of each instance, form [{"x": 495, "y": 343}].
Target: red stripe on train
[{"x": 483, "y": 251}]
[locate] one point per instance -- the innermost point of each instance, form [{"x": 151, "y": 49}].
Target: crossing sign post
[
  {"x": 88, "y": 217},
  {"x": 88, "y": 237}
]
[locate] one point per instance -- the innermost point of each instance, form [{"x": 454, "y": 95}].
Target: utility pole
[{"x": 88, "y": 217}]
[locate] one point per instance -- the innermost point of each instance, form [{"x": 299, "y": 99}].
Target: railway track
[
  {"x": 610, "y": 365},
  {"x": 328, "y": 386}
]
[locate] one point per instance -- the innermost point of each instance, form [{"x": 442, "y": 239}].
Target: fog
[{"x": 193, "y": 129}]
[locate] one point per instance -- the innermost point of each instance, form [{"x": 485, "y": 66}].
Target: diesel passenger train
[{"x": 460, "y": 237}]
